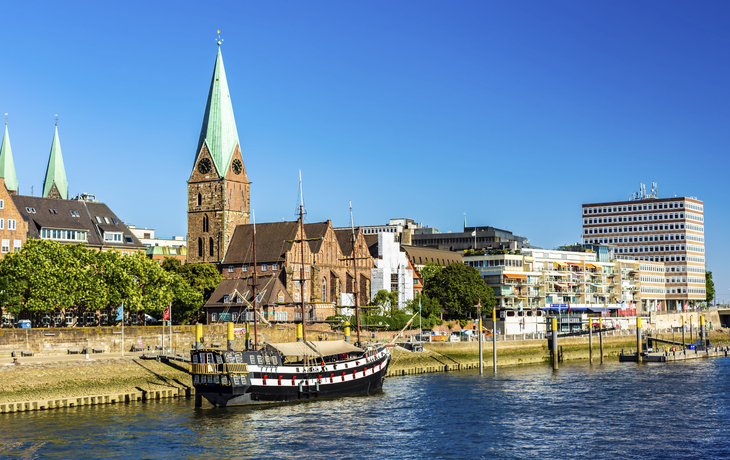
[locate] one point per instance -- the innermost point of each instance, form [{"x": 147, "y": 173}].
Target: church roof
[
  {"x": 56, "y": 173},
  {"x": 273, "y": 241},
  {"x": 219, "y": 126},
  {"x": 7, "y": 165}
]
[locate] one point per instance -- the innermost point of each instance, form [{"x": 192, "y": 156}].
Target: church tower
[
  {"x": 218, "y": 187},
  {"x": 55, "y": 184},
  {"x": 7, "y": 165}
]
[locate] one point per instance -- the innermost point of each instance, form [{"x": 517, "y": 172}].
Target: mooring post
[
  {"x": 638, "y": 339},
  {"x": 554, "y": 325},
  {"x": 702, "y": 331},
  {"x": 691, "y": 329},
  {"x": 347, "y": 332},
  {"x": 590, "y": 341},
  {"x": 494, "y": 340},
  {"x": 600, "y": 336},
  {"x": 481, "y": 356},
  {"x": 300, "y": 333},
  {"x": 230, "y": 336},
  {"x": 198, "y": 336},
  {"x": 198, "y": 400}
]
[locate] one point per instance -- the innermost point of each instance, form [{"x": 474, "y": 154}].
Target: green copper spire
[
  {"x": 56, "y": 173},
  {"x": 219, "y": 127},
  {"x": 7, "y": 165}
]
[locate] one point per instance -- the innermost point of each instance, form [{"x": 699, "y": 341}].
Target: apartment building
[{"x": 665, "y": 234}]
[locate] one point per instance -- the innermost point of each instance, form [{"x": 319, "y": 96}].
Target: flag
[
  {"x": 623, "y": 305},
  {"x": 474, "y": 233},
  {"x": 520, "y": 305},
  {"x": 658, "y": 306},
  {"x": 568, "y": 307},
  {"x": 419, "y": 305},
  {"x": 479, "y": 307},
  {"x": 523, "y": 322},
  {"x": 685, "y": 306},
  {"x": 120, "y": 312},
  {"x": 168, "y": 312}
]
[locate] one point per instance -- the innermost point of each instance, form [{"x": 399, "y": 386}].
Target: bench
[
  {"x": 74, "y": 351},
  {"x": 97, "y": 350},
  {"x": 17, "y": 353}
]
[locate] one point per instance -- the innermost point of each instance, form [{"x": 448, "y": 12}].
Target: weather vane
[
  {"x": 56, "y": 115},
  {"x": 6, "y": 118},
  {"x": 220, "y": 40}
]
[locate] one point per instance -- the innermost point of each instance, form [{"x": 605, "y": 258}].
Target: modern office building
[{"x": 666, "y": 234}]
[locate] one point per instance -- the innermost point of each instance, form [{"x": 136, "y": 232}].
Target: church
[{"x": 220, "y": 232}]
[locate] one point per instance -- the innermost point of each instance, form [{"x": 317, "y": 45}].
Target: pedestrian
[{"x": 327, "y": 336}]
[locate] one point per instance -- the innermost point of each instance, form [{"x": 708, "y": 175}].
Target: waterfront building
[
  {"x": 393, "y": 271},
  {"x": 329, "y": 275},
  {"x": 400, "y": 228},
  {"x": 218, "y": 186},
  {"x": 13, "y": 229},
  {"x": 470, "y": 238},
  {"x": 661, "y": 233}
]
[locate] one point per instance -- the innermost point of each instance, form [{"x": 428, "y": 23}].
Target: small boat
[{"x": 287, "y": 372}]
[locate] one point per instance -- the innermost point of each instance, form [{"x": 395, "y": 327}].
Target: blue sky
[{"x": 514, "y": 113}]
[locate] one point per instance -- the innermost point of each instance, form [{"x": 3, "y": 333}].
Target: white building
[
  {"x": 147, "y": 237},
  {"x": 391, "y": 272}
]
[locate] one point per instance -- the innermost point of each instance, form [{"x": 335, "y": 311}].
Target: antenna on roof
[{"x": 56, "y": 115}]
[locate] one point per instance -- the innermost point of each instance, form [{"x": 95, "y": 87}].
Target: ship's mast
[
  {"x": 301, "y": 266},
  {"x": 354, "y": 270},
  {"x": 253, "y": 289}
]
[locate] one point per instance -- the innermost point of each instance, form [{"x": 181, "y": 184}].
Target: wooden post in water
[
  {"x": 590, "y": 341},
  {"x": 638, "y": 339},
  {"x": 555, "y": 343},
  {"x": 481, "y": 356},
  {"x": 702, "y": 331},
  {"x": 600, "y": 336},
  {"x": 494, "y": 339}
]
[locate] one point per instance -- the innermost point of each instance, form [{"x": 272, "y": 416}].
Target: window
[
  {"x": 214, "y": 317},
  {"x": 263, "y": 267},
  {"x": 230, "y": 269},
  {"x": 2, "y": 204},
  {"x": 2, "y": 224},
  {"x": 98, "y": 219},
  {"x": 200, "y": 199},
  {"x": 205, "y": 223},
  {"x": 210, "y": 249},
  {"x": 16, "y": 245},
  {"x": 128, "y": 239},
  {"x": 280, "y": 297},
  {"x": 115, "y": 221},
  {"x": 324, "y": 289},
  {"x": 200, "y": 247},
  {"x": 5, "y": 246},
  {"x": 226, "y": 299},
  {"x": 274, "y": 267},
  {"x": 244, "y": 268},
  {"x": 106, "y": 219}
]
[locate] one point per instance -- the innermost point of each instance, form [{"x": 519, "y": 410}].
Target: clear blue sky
[{"x": 514, "y": 113}]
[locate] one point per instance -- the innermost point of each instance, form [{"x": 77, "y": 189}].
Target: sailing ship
[{"x": 295, "y": 371}]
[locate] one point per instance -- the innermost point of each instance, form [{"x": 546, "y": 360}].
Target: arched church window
[
  {"x": 205, "y": 222},
  {"x": 200, "y": 247},
  {"x": 200, "y": 199},
  {"x": 324, "y": 289},
  {"x": 210, "y": 240}
]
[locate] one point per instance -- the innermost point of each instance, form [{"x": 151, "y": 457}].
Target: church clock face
[
  {"x": 237, "y": 166},
  {"x": 204, "y": 166}
]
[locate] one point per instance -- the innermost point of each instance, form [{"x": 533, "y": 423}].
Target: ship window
[
  {"x": 268, "y": 361},
  {"x": 258, "y": 358},
  {"x": 252, "y": 359}
]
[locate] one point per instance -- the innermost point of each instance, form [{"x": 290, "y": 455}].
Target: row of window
[
  {"x": 380, "y": 230},
  {"x": 6, "y": 245},
  {"x": 699, "y": 239},
  {"x": 67, "y": 235},
  {"x": 666, "y": 258},
  {"x": 695, "y": 217},
  {"x": 106, "y": 220},
  {"x": 634, "y": 249},
  {"x": 642, "y": 238},
  {"x": 636, "y": 218},
  {"x": 635, "y": 229},
  {"x": 633, "y": 207},
  {"x": 264, "y": 267},
  {"x": 11, "y": 224}
]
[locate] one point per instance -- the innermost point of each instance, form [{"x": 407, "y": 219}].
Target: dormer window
[
  {"x": 112, "y": 237},
  {"x": 226, "y": 299}
]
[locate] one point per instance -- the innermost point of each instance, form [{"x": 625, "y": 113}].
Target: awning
[
  {"x": 561, "y": 264},
  {"x": 515, "y": 276},
  {"x": 314, "y": 349},
  {"x": 572, "y": 263},
  {"x": 560, "y": 285},
  {"x": 598, "y": 309}
]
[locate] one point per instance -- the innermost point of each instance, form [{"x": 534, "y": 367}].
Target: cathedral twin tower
[{"x": 218, "y": 187}]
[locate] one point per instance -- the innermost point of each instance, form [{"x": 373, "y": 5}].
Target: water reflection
[{"x": 611, "y": 410}]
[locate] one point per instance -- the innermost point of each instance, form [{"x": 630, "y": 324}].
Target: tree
[
  {"x": 201, "y": 277},
  {"x": 458, "y": 288},
  {"x": 387, "y": 301},
  {"x": 429, "y": 271},
  {"x": 709, "y": 288},
  {"x": 429, "y": 307}
]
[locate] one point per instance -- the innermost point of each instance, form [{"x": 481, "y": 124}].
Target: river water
[{"x": 617, "y": 411}]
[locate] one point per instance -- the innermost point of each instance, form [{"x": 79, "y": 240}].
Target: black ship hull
[{"x": 228, "y": 384}]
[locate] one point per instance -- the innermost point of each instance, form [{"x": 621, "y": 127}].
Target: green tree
[
  {"x": 429, "y": 307},
  {"x": 387, "y": 301},
  {"x": 458, "y": 288},
  {"x": 201, "y": 278},
  {"x": 709, "y": 288},
  {"x": 429, "y": 271}
]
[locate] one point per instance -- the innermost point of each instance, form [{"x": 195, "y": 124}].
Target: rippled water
[{"x": 677, "y": 410}]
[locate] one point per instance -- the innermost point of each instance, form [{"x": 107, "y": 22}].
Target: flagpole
[
  {"x": 122, "y": 329},
  {"x": 170, "y": 325}
]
